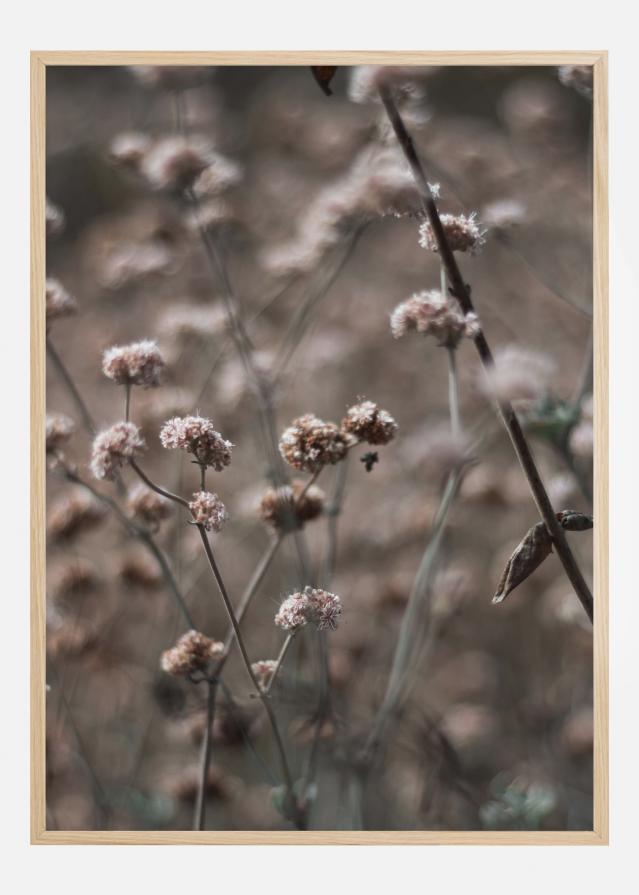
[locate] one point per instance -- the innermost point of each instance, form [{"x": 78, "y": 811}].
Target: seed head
[
  {"x": 147, "y": 506},
  {"x": 59, "y": 429},
  {"x": 367, "y": 422},
  {"x": 58, "y": 301},
  {"x": 196, "y": 435},
  {"x": 137, "y": 364},
  {"x": 286, "y": 509},
  {"x": 193, "y": 652},
  {"x": 309, "y": 443},
  {"x": 319, "y": 607},
  {"x": 208, "y": 510},
  {"x": 113, "y": 447},
  {"x": 462, "y": 233},
  {"x": 434, "y": 314}
]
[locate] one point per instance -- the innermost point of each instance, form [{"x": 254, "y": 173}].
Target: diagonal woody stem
[{"x": 461, "y": 291}]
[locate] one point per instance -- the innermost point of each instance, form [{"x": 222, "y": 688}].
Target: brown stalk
[{"x": 461, "y": 291}]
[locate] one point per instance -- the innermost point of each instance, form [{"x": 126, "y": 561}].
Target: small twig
[
  {"x": 278, "y": 665},
  {"x": 83, "y": 410},
  {"x": 509, "y": 418},
  {"x": 158, "y": 488}
]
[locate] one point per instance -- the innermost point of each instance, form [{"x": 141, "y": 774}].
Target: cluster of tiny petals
[
  {"x": 193, "y": 652},
  {"x": 208, "y": 510},
  {"x": 139, "y": 363},
  {"x": 287, "y": 508},
  {"x": 463, "y": 234},
  {"x": 147, "y": 506},
  {"x": 367, "y": 422},
  {"x": 113, "y": 446},
  {"x": 310, "y": 443},
  {"x": 58, "y": 301},
  {"x": 58, "y": 430},
  {"x": 319, "y": 607},
  {"x": 197, "y": 435},
  {"x": 432, "y": 313},
  {"x": 263, "y": 670}
]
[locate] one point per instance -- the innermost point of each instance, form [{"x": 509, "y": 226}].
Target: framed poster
[{"x": 319, "y": 382}]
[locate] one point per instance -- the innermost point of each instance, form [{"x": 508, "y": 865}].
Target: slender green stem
[
  {"x": 127, "y": 401},
  {"x": 453, "y": 394},
  {"x": 157, "y": 488},
  {"x": 280, "y": 659}
]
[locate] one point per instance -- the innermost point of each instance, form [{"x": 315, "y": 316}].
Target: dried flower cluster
[
  {"x": 287, "y": 508},
  {"x": 197, "y": 436},
  {"x": 208, "y": 510},
  {"x": 579, "y": 77},
  {"x": 432, "y": 313},
  {"x": 319, "y": 607},
  {"x": 367, "y": 422},
  {"x": 463, "y": 234},
  {"x": 58, "y": 430},
  {"x": 129, "y": 149},
  {"x": 147, "y": 506},
  {"x": 309, "y": 443},
  {"x": 113, "y": 447},
  {"x": 139, "y": 363},
  {"x": 54, "y": 218},
  {"x": 177, "y": 163},
  {"x": 406, "y": 82},
  {"x": 192, "y": 653},
  {"x": 58, "y": 301}
]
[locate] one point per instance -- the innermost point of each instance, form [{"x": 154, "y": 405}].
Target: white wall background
[{"x": 323, "y": 24}]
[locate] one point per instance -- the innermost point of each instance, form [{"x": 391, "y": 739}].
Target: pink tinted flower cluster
[
  {"x": 319, "y": 607},
  {"x": 434, "y": 314},
  {"x": 368, "y": 422},
  {"x": 148, "y": 507},
  {"x": 309, "y": 443},
  {"x": 58, "y": 429},
  {"x": 193, "y": 652},
  {"x": 462, "y": 233},
  {"x": 58, "y": 301},
  {"x": 197, "y": 436},
  {"x": 263, "y": 671},
  {"x": 139, "y": 363},
  {"x": 208, "y": 510},
  {"x": 291, "y": 506},
  {"x": 113, "y": 446}
]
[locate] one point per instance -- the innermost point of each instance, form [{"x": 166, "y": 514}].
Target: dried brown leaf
[{"x": 527, "y": 556}]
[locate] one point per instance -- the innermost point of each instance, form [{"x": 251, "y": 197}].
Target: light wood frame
[{"x": 599, "y": 834}]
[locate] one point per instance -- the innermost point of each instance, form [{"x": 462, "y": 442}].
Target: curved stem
[
  {"x": 83, "y": 410},
  {"x": 509, "y": 418},
  {"x": 286, "y": 771},
  {"x": 157, "y": 488}
]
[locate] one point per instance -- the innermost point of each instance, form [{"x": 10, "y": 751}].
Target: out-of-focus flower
[
  {"x": 263, "y": 671},
  {"x": 432, "y": 313},
  {"x": 73, "y": 578},
  {"x": 170, "y": 77},
  {"x": 130, "y": 262},
  {"x": 187, "y": 320},
  {"x": 129, "y": 149},
  {"x": 193, "y": 652},
  {"x": 435, "y": 450},
  {"x": 139, "y": 570},
  {"x": 309, "y": 443},
  {"x": 581, "y": 440},
  {"x": 58, "y": 430},
  {"x": 219, "y": 174},
  {"x": 286, "y": 508},
  {"x": 197, "y": 436},
  {"x": 74, "y": 513},
  {"x": 113, "y": 447},
  {"x": 147, "y": 506},
  {"x": 54, "y": 218},
  {"x": 463, "y": 234},
  {"x": 406, "y": 82},
  {"x": 519, "y": 374},
  {"x": 175, "y": 162},
  {"x": 367, "y": 422},
  {"x": 579, "y": 77},
  {"x": 139, "y": 363},
  {"x": 208, "y": 510},
  {"x": 320, "y": 607},
  {"x": 504, "y": 214},
  {"x": 58, "y": 301}
]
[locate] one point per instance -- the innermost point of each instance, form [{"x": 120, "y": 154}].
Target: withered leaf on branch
[
  {"x": 527, "y": 556},
  {"x": 324, "y": 74},
  {"x": 572, "y": 520}
]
